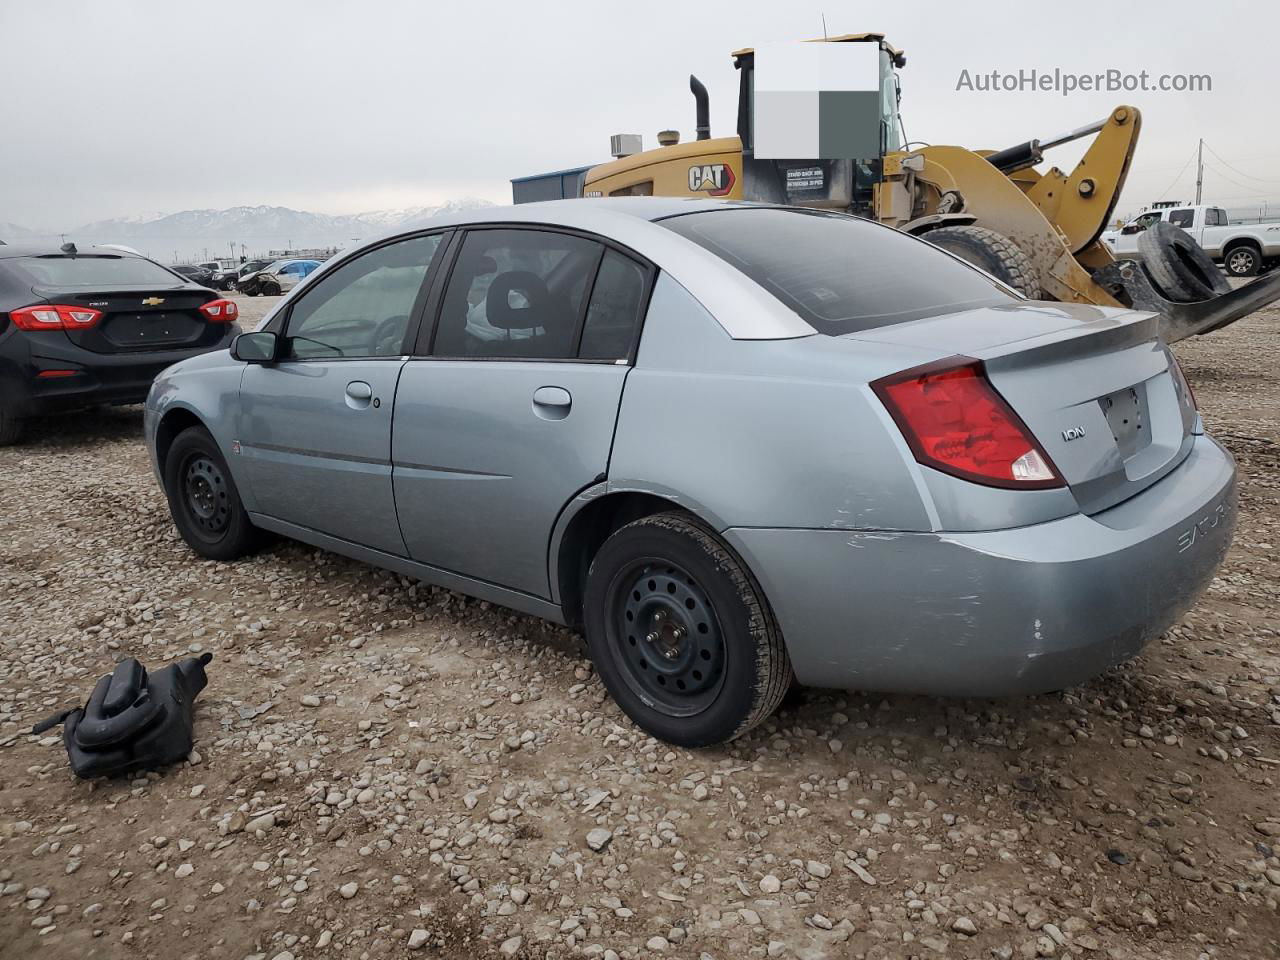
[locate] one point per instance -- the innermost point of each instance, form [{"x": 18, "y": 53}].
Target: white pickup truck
[{"x": 1243, "y": 249}]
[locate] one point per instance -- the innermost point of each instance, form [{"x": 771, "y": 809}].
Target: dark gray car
[{"x": 735, "y": 444}]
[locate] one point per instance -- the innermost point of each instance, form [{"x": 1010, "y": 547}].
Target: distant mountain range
[{"x": 210, "y": 233}]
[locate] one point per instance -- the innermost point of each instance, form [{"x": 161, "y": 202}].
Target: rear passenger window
[
  {"x": 1182, "y": 218},
  {"x": 614, "y": 314},
  {"x": 516, "y": 293}
]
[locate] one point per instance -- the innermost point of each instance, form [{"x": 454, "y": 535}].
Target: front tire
[
  {"x": 992, "y": 252},
  {"x": 681, "y": 633},
  {"x": 203, "y": 498}
]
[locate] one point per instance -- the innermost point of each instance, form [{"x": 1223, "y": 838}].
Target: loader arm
[{"x": 1080, "y": 204}]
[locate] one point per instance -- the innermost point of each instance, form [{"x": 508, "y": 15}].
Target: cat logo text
[{"x": 715, "y": 179}]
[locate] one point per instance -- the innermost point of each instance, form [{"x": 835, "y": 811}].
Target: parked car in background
[
  {"x": 194, "y": 272},
  {"x": 1243, "y": 249},
  {"x": 734, "y": 443},
  {"x": 93, "y": 326},
  {"x": 223, "y": 273},
  {"x": 277, "y": 277}
]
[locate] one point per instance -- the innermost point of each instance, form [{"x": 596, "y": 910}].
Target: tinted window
[
  {"x": 840, "y": 274},
  {"x": 90, "y": 271},
  {"x": 617, "y": 304},
  {"x": 362, "y": 308},
  {"x": 515, "y": 293},
  {"x": 1182, "y": 218}
]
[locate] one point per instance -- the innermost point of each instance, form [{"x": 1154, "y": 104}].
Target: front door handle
[
  {"x": 359, "y": 394},
  {"x": 552, "y": 403}
]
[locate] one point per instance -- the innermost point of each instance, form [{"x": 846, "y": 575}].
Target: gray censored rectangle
[
  {"x": 816, "y": 101},
  {"x": 848, "y": 125}
]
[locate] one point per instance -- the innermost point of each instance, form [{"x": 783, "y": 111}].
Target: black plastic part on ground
[{"x": 134, "y": 720}]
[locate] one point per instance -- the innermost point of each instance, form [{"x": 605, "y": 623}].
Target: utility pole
[{"x": 1199, "y": 170}]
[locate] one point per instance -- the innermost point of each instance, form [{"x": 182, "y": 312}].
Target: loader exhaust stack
[{"x": 702, "y": 106}]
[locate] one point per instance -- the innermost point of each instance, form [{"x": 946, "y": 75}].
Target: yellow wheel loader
[{"x": 1038, "y": 232}]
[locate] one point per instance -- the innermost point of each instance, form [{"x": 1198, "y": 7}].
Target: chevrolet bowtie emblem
[{"x": 153, "y": 301}]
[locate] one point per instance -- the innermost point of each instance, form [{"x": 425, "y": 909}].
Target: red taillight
[
  {"x": 220, "y": 311},
  {"x": 55, "y": 316},
  {"x": 56, "y": 374},
  {"x": 954, "y": 421}
]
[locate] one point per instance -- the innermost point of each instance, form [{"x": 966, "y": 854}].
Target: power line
[
  {"x": 1178, "y": 177},
  {"x": 1239, "y": 171},
  {"x": 1224, "y": 176}
]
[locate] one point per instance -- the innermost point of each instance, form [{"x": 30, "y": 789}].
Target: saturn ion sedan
[{"x": 738, "y": 446}]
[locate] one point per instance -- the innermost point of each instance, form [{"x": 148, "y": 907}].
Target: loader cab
[
  {"x": 845, "y": 183},
  {"x": 727, "y": 167}
]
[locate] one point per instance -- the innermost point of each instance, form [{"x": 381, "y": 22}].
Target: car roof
[
  {"x": 744, "y": 309},
  {"x": 53, "y": 250},
  {"x": 571, "y": 212}
]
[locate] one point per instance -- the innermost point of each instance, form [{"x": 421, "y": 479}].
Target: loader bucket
[{"x": 1182, "y": 320}]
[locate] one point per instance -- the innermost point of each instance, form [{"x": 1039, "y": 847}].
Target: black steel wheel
[
  {"x": 667, "y": 635},
  {"x": 203, "y": 499},
  {"x": 681, "y": 633},
  {"x": 205, "y": 495}
]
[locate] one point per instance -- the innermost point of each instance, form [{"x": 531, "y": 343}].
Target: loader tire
[
  {"x": 992, "y": 252},
  {"x": 1178, "y": 265}
]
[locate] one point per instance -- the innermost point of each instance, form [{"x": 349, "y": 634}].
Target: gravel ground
[{"x": 385, "y": 769}]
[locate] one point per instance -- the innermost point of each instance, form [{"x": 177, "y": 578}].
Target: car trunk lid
[
  {"x": 139, "y": 319},
  {"x": 1096, "y": 386}
]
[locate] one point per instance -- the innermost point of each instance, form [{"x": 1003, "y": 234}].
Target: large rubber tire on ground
[
  {"x": 1178, "y": 265},
  {"x": 10, "y": 426},
  {"x": 681, "y": 633},
  {"x": 991, "y": 251},
  {"x": 271, "y": 290},
  {"x": 203, "y": 498},
  {"x": 251, "y": 291},
  {"x": 1242, "y": 260}
]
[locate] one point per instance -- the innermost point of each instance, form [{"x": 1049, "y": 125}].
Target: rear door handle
[
  {"x": 552, "y": 397},
  {"x": 552, "y": 403}
]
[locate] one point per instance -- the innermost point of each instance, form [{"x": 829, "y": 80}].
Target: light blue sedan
[{"x": 739, "y": 446}]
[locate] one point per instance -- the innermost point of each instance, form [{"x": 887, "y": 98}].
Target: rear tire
[
  {"x": 11, "y": 427},
  {"x": 203, "y": 499},
  {"x": 1243, "y": 261},
  {"x": 992, "y": 252},
  {"x": 681, "y": 633}
]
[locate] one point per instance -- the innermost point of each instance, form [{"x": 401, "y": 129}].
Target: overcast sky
[{"x": 131, "y": 107}]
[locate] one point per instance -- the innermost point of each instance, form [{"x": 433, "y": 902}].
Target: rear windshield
[
  {"x": 841, "y": 274},
  {"x": 92, "y": 271}
]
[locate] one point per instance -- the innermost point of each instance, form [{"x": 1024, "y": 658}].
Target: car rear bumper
[
  {"x": 98, "y": 377},
  {"x": 1018, "y": 611}
]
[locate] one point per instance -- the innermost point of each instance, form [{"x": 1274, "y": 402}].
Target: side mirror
[{"x": 259, "y": 347}]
